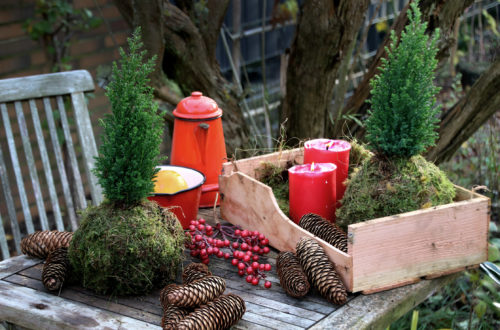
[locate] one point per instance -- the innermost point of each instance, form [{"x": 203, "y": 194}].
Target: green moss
[
  {"x": 381, "y": 188},
  {"x": 276, "y": 177},
  {"x": 126, "y": 250}
]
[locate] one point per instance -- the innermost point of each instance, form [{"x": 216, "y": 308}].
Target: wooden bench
[{"x": 25, "y": 302}]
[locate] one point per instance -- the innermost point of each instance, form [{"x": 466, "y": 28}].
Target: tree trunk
[
  {"x": 184, "y": 39},
  {"x": 324, "y": 33},
  {"x": 468, "y": 114},
  {"x": 440, "y": 14}
]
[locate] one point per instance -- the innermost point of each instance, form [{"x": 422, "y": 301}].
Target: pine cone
[
  {"x": 320, "y": 270},
  {"x": 324, "y": 229},
  {"x": 292, "y": 277},
  {"x": 194, "y": 271},
  {"x": 198, "y": 292},
  {"x": 171, "y": 314},
  {"x": 221, "y": 313},
  {"x": 41, "y": 243},
  {"x": 56, "y": 269}
]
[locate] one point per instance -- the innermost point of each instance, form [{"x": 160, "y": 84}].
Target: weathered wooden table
[{"x": 26, "y": 303}]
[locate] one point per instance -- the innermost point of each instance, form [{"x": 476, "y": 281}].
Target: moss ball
[
  {"x": 129, "y": 250},
  {"x": 381, "y": 188}
]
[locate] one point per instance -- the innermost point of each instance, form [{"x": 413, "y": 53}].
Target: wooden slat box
[{"x": 382, "y": 253}]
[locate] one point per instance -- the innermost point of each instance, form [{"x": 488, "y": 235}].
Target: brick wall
[{"x": 21, "y": 56}]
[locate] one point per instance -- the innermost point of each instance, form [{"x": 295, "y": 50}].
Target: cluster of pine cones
[
  {"x": 52, "y": 246},
  {"x": 199, "y": 303},
  {"x": 311, "y": 262}
]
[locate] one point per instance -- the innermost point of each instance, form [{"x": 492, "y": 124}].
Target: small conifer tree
[
  {"x": 131, "y": 141},
  {"x": 403, "y": 117}
]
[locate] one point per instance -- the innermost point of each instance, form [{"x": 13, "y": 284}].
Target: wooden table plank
[
  {"x": 16, "y": 264},
  {"x": 39, "y": 310}
]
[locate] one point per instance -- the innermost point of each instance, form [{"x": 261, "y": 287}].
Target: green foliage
[
  {"x": 126, "y": 250},
  {"x": 132, "y": 133},
  {"x": 379, "y": 189},
  {"x": 55, "y": 23},
  {"x": 404, "y": 112}
]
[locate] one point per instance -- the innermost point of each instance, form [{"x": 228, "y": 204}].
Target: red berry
[
  {"x": 255, "y": 281},
  {"x": 220, "y": 254},
  {"x": 202, "y": 221},
  {"x": 192, "y": 227},
  {"x": 256, "y": 233},
  {"x": 262, "y": 267},
  {"x": 235, "y": 262},
  {"x": 202, "y": 245},
  {"x": 265, "y": 241},
  {"x": 226, "y": 242},
  {"x": 249, "y": 253},
  {"x": 244, "y": 233},
  {"x": 246, "y": 258},
  {"x": 265, "y": 249},
  {"x": 235, "y": 245},
  {"x": 249, "y": 278},
  {"x": 244, "y": 246},
  {"x": 216, "y": 250},
  {"x": 210, "y": 240},
  {"x": 241, "y": 266},
  {"x": 249, "y": 270},
  {"x": 241, "y": 272},
  {"x": 201, "y": 227},
  {"x": 237, "y": 232},
  {"x": 261, "y": 237},
  {"x": 256, "y": 249},
  {"x": 210, "y": 250},
  {"x": 267, "y": 267},
  {"x": 268, "y": 284},
  {"x": 208, "y": 228},
  {"x": 255, "y": 258},
  {"x": 205, "y": 261},
  {"x": 203, "y": 252},
  {"x": 194, "y": 253},
  {"x": 198, "y": 238},
  {"x": 192, "y": 222},
  {"x": 261, "y": 251},
  {"x": 255, "y": 265},
  {"x": 195, "y": 223},
  {"x": 227, "y": 255}
]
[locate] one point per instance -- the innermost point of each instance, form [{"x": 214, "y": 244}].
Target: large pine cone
[
  {"x": 56, "y": 269},
  {"x": 292, "y": 277},
  {"x": 172, "y": 314},
  {"x": 194, "y": 271},
  {"x": 324, "y": 229},
  {"x": 320, "y": 270},
  {"x": 221, "y": 313},
  {"x": 198, "y": 292},
  {"x": 41, "y": 243}
]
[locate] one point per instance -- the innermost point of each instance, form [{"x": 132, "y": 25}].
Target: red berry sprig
[{"x": 244, "y": 246}]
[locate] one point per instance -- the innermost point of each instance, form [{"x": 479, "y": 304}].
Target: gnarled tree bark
[
  {"x": 184, "y": 39},
  {"x": 440, "y": 14},
  {"x": 325, "y": 30}
]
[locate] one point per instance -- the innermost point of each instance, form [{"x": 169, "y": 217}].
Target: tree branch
[{"x": 468, "y": 114}]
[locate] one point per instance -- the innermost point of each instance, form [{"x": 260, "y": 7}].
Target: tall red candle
[
  {"x": 312, "y": 190},
  {"x": 330, "y": 151}
]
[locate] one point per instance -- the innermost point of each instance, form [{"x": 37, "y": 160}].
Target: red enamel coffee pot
[{"x": 198, "y": 141}]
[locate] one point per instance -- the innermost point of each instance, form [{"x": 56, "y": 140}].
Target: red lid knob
[{"x": 197, "y": 106}]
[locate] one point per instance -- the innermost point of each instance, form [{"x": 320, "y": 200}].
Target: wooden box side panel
[
  {"x": 250, "y": 166},
  {"x": 404, "y": 247},
  {"x": 251, "y": 204}
]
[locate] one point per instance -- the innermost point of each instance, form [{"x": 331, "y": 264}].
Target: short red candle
[
  {"x": 312, "y": 190},
  {"x": 330, "y": 151}
]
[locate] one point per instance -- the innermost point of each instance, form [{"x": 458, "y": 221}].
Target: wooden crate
[{"x": 382, "y": 253}]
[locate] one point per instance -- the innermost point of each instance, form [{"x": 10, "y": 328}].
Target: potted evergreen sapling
[
  {"x": 402, "y": 125},
  {"x": 128, "y": 245}
]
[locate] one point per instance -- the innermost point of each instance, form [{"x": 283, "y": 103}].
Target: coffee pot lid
[{"x": 197, "y": 106}]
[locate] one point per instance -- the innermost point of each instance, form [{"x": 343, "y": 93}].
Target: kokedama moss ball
[
  {"x": 387, "y": 187},
  {"x": 126, "y": 250}
]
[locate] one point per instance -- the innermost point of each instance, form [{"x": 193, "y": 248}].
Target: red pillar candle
[
  {"x": 330, "y": 151},
  {"x": 312, "y": 190}
]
